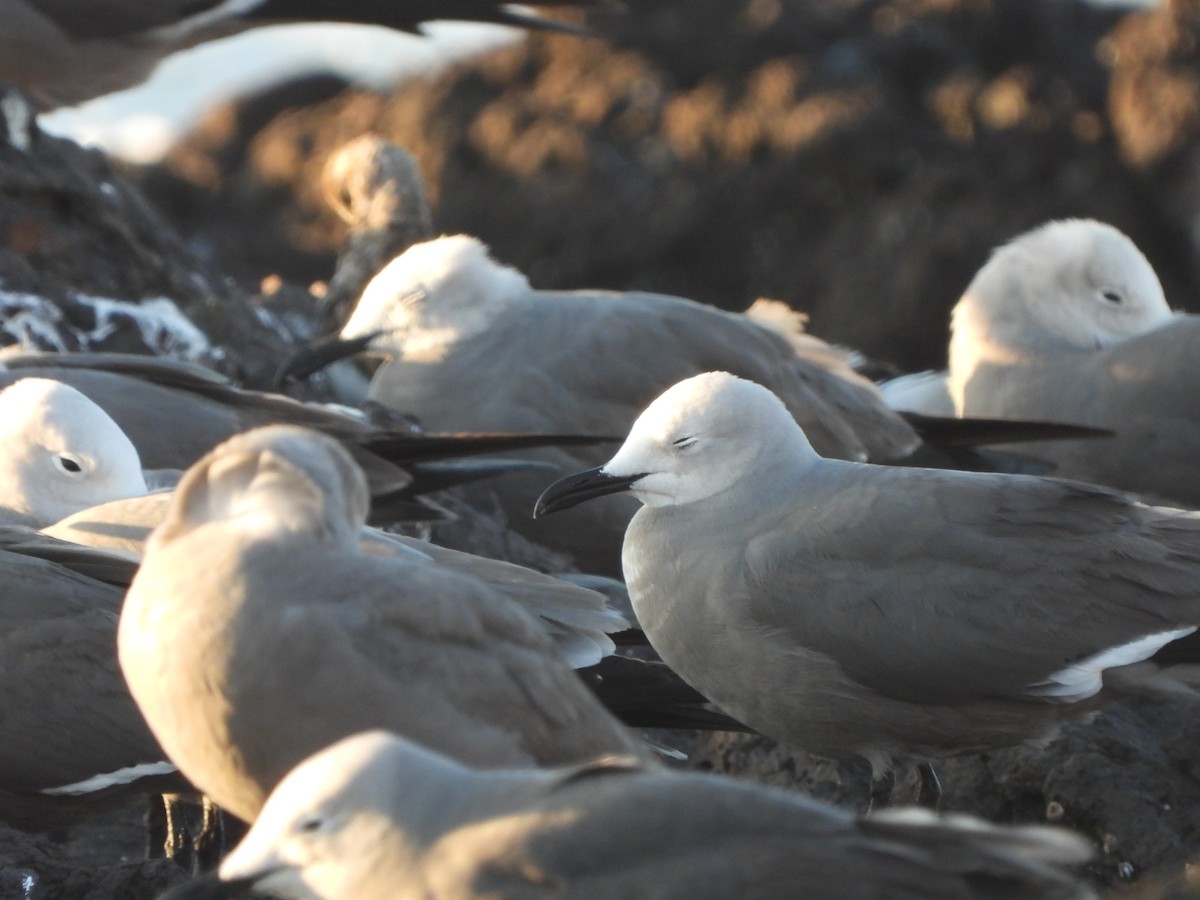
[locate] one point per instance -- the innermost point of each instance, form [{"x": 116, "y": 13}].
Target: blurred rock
[
  {"x": 87, "y": 263},
  {"x": 856, "y": 158}
]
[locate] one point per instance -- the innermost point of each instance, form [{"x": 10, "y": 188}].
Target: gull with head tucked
[
  {"x": 1068, "y": 322},
  {"x": 470, "y": 345},
  {"x": 60, "y": 453},
  {"x": 375, "y": 817},
  {"x": 880, "y": 612},
  {"x": 258, "y": 630}
]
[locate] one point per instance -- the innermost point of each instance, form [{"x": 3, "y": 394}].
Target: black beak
[
  {"x": 320, "y": 353},
  {"x": 210, "y": 887},
  {"x": 575, "y": 489}
]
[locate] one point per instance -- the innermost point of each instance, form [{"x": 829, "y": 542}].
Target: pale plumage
[
  {"x": 470, "y": 344},
  {"x": 59, "y": 453},
  {"x": 375, "y": 817},
  {"x": 1068, "y": 323},
  {"x": 859, "y": 610},
  {"x": 257, "y": 631}
]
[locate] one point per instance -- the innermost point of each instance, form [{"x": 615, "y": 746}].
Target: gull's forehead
[
  {"x": 50, "y": 410},
  {"x": 43, "y": 395},
  {"x": 455, "y": 267},
  {"x": 1116, "y": 259},
  {"x": 712, "y": 401}
]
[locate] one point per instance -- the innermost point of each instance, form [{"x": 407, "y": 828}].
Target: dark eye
[
  {"x": 683, "y": 443},
  {"x": 310, "y": 825},
  {"x": 68, "y": 464},
  {"x": 1113, "y": 297}
]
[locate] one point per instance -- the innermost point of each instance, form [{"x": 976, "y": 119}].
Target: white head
[
  {"x": 1077, "y": 284},
  {"x": 60, "y": 453},
  {"x": 445, "y": 288},
  {"x": 349, "y": 821},
  {"x": 704, "y": 435},
  {"x": 278, "y": 478}
]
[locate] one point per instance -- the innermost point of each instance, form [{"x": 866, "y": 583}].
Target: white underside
[{"x": 1085, "y": 678}]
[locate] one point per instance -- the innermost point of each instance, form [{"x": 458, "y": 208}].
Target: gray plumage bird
[
  {"x": 174, "y": 413},
  {"x": 63, "y": 52},
  {"x": 258, "y": 631},
  {"x": 471, "y": 345},
  {"x": 60, "y": 453},
  {"x": 377, "y": 817},
  {"x": 1069, "y": 323},
  {"x": 879, "y": 612}
]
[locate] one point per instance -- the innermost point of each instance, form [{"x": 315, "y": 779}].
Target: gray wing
[
  {"x": 438, "y": 658},
  {"x": 942, "y": 587},
  {"x": 1146, "y": 391},
  {"x": 1143, "y": 389},
  {"x": 611, "y": 831},
  {"x": 66, "y": 711},
  {"x": 601, "y": 358}
]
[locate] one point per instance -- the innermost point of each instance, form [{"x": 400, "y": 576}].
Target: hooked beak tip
[{"x": 575, "y": 489}]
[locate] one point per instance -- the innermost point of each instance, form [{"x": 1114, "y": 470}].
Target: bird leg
[
  {"x": 209, "y": 843},
  {"x": 929, "y": 790},
  {"x": 170, "y": 831},
  {"x": 157, "y": 822}
]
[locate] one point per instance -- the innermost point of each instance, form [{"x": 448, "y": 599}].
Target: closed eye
[
  {"x": 683, "y": 443},
  {"x": 1113, "y": 297},
  {"x": 310, "y": 825}
]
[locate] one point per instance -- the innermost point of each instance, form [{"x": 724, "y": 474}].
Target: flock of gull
[{"x": 203, "y": 580}]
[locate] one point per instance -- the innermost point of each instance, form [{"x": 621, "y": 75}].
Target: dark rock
[
  {"x": 87, "y": 263},
  {"x": 857, "y": 158}
]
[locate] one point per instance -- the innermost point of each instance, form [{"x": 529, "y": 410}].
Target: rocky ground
[{"x": 856, "y": 158}]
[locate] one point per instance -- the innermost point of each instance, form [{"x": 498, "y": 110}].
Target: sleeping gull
[
  {"x": 257, "y": 631},
  {"x": 60, "y": 453},
  {"x": 579, "y": 621},
  {"x": 879, "y": 612},
  {"x": 1068, "y": 322},
  {"x": 174, "y": 413},
  {"x": 471, "y": 345},
  {"x": 376, "y": 817}
]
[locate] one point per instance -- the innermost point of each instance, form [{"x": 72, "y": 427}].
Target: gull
[
  {"x": 578, "y": 620},
  {"x": 63, "y": 52},
  {"x": 375, "y": 816},
  {"x": 174, "y": 413},
  {"x": 1068, "y": 322},
  {"x": 471, "y": 345},
  {"x": 257, "y": 631},
  {"x": 878, "y": 612},
  {"x": 42, "y": 414},
  {"x": 68, "y": 468},
  {"x": 60, "y": 453}
]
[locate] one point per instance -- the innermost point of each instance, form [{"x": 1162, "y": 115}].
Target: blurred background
[{"x": 855, "y": 158}]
